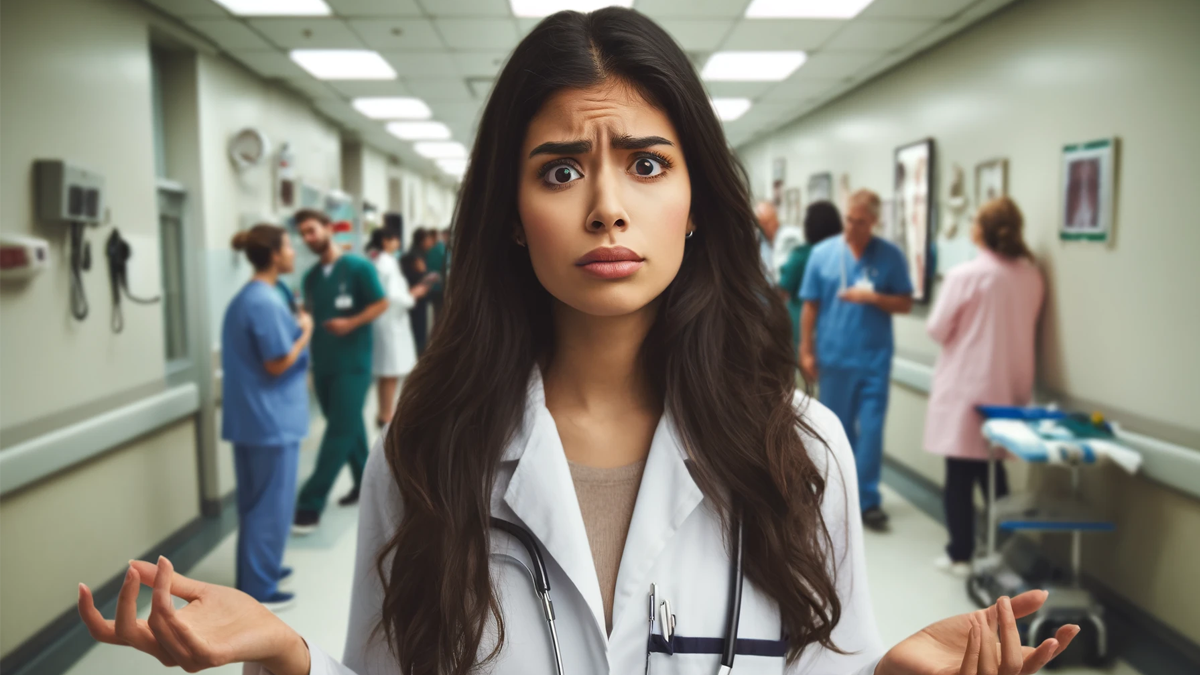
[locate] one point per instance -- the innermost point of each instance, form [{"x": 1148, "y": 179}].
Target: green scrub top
[{"x": 354, "y": 281}]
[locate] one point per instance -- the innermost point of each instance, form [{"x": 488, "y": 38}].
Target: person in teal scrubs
[
  {"x": 821, "y": 221},
  {"x": 343, "y": 293},
  {"x": 852, "y": 286},
  {"x": 264, "y": 357}
]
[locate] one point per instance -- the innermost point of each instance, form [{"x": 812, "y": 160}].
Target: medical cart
[{"x": 1057, "y": 438}]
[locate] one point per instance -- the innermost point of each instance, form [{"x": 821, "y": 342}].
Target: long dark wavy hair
[{"x": 719, "y": 354}]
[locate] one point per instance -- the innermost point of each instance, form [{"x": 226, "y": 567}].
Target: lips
[{"x": 610, "y": 262}]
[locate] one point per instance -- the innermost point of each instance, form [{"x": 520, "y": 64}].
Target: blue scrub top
[
  {"x": 852, "y": 336},
  {"x": 258, "y": 408}
]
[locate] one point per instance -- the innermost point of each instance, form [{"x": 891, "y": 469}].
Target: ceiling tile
[
  {"x": 759, "y": 34},
  {"x": 375, "y": 7},
  {"x": 452, "y": 112},
  {"x": 799, "y": 90},
  {"x": 739, "y": 89},
  {"x": 308, "y": 33},
  {"x": 230, "y": 33},
  {"x": 698, "y": 34},
  {"x": 269, "y": 63},
  {"x": 438, "y": 89},
  {"x": 478, "y": 33},
  {"x": 914, "y": 9},
  {"x": 834, "y": 65},
  {"x": 480, "y": 64},
  {"x": 693, "y": 9},
  {"x": 526, "y": 24},
  {"x": 338, "y": 109},
  {"x": 879, "y": 34},
  {"x": 397, "y": 34},
  {"x": 422, "y": 64},
  {"x": 311, "y": 87},
  {"x": 190, "y": 8},
  {"x": 476, "y": 8},
  {"x": 360, "y": 88}
]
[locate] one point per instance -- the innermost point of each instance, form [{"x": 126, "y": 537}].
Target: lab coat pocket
[{"x": 695, "y": 656}]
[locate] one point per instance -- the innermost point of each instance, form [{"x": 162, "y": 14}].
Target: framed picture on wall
[
  {"x": 778, "y": 176},
  {"x": 914, "y": 208},
  {"x": 1088, "y": 182},
  {"x": 791, "y": 207},
  {"x": 991, "y": 180},
  {"x": 820, "y": 187}
]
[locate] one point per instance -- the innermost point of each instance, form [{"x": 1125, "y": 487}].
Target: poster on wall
[
  {"x": 1087, "y": 204},
  {"x": 820, "y": 187},
  {"x": 791, "y": 212},
  {"x": 991, "y": 181},
  {"x": 778, "y": 176},
  {"x": 914, "y": 196}
]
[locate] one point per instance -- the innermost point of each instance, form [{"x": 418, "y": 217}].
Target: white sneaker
[{"x": 962, "y": 570}]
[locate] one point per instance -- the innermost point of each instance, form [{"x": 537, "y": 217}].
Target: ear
[
  {"x": 691, "y": 227},
  {"x": 518, "y": 235}
]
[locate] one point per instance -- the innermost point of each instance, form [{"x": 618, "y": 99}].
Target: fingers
[
  {"x": 1028, "y": 602},
  {"x": 970, "y": 663},
  {"x": 130, "y": 630},
  {"x": 1011, "y": 655},
  {"x": 162, "y": 615},
  {"x": 1038, "y": 658},
  {"x": 1064, "y": 636},
  {"x": 989, "y": 656},
  {"x": 181, "y": 586},
  {"x": 98, "y": 628}
]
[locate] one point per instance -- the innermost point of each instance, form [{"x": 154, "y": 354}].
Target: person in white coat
[
  {"x": 610, "y": 390},
  {"x": 395, "y": 352}
]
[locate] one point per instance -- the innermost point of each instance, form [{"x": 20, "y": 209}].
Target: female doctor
[{"x": 612, "y": 378}]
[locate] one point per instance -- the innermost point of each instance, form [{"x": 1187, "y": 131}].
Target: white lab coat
[
  {"x": 673, "y": 540},
  {"x": 394, "y": 352}
]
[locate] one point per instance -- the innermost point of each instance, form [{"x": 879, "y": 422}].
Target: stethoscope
[{"x": 541, "y": 587}]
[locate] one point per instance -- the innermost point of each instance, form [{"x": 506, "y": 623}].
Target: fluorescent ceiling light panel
[
  {"x": 751, "y": 66},
  {"x": 729, "y": 109},
  {"x": 419, "y": 131},
  {"x": 539, "y": 8},
  {"x": 392, "y": 108},
  {"x": 343, "y": 64},
  {"x": 805, "y": 9},
  {"x": 276, "y": 7},
  {"x": 441, "y": 149},
  {"x": 453, "y": 167}
]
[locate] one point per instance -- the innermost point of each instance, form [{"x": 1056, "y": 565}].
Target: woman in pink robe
[{"x": 985, "y": 318}]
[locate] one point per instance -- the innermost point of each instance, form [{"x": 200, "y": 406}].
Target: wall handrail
[
  {"x": 1173, "y": 465},
  {"x": 36, "y": 458}
]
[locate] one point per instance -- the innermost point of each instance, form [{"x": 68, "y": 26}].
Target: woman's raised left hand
[{"x": 985, "y": 642}]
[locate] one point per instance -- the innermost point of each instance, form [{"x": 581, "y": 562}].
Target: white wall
[
  {"x": 1120, "y": 324},
  {"x": 76, "y": 86}
]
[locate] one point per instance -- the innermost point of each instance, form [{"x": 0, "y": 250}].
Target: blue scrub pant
[
  {"x": 859, "y": 398},
  {"x": 266, "y": 498}
]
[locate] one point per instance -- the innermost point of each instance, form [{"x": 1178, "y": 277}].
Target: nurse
[
  {"x": 612, "y": 377},
  {"x": 264, "y": 357},
  {"x": 344, "y": 295},
  {"x": 852, "y": 286},
  {"x": 394, "y": 353}
]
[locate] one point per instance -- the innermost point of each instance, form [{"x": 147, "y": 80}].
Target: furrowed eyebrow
[
  {"x": 563, "y": 148},
  {"x": 638, "y": 143}
]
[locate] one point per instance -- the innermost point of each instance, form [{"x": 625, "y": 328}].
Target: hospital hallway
[{"x": 906, "y": 590}]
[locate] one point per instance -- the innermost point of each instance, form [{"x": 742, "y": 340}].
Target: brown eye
[
  {"x": 647, "y": 167},
  {"x": 562, "y": 174}
]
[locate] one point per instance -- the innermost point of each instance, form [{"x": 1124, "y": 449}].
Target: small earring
[{"x": 689, "y": 234}]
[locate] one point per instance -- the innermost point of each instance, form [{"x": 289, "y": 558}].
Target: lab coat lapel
[
  {"x": 542, "y": 495},
  {"x": 666, "y": 498}
]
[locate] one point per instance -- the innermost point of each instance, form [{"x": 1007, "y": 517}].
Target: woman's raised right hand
[{"x": 219, "y": 625}]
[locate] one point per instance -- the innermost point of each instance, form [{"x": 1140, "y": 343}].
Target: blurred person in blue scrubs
[
  {"x": 264, "y": 356},
  {"x": 852, "y": 286},
  {"x": 768, "y": 225}
]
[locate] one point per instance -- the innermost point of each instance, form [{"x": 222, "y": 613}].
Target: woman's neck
[
  {"x": 269, "y": 277},
  {"x": 596, "y": 368}
]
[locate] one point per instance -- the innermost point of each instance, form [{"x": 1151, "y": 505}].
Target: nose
[{"x": 608, "y": 211}]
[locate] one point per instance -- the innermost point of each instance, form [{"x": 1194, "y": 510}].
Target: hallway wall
[{"x": 1118, "y": 330}]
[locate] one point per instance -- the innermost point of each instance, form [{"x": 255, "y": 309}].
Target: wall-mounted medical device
[{"x": 69, "y": 193}]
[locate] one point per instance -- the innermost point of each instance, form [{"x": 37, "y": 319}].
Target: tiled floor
[{"x": 908, "y": 592}]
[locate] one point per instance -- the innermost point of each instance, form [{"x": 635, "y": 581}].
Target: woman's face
[
  {"x": 604, "y": 199},
  {"x": 285, "y": 258}
]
